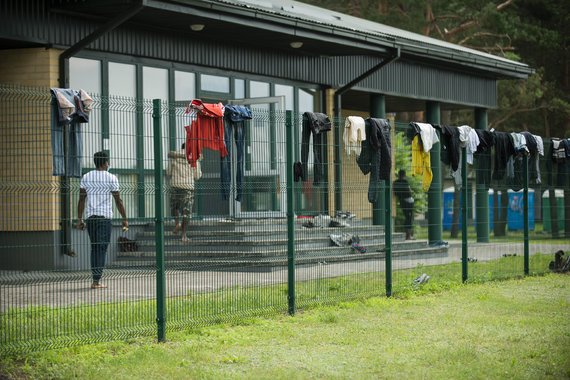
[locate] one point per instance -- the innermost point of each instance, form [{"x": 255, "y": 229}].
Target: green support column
[
  {"x": 378, "y": 110},
  {"x": 482, "y": 191},
  {"x": 337, "y": 153},
  {"x": 435, "y": 214}
]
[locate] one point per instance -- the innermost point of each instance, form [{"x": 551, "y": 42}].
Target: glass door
[{"x": 263, "y": 165}]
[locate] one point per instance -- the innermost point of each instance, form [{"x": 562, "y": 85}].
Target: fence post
[
  {"x": 159, "y": 221},
  {"x": 388, "y": 236},
  {"x": 464, "y": 192},
  {"x": 525, "y": 214},
  {"x": 290, "y": 213}
]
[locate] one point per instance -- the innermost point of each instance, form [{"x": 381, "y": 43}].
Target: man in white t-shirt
[{"x": 95, "y": 192}]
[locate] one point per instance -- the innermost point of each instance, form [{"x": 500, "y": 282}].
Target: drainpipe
[
  {"x": 338, "y": 115},
  {"x": 65, "y": 187}
]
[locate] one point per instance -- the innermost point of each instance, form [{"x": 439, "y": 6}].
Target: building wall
[{"x": 30, "y": 201}]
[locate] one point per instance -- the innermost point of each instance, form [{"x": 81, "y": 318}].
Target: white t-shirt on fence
[{"x": 99, "y": 184}]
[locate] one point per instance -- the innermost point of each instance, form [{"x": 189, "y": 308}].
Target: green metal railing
[{"x": 283, "y": 248}]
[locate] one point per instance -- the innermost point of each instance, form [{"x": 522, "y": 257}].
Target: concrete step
[
  {"x": 223, "y": 224},
  {"x": 272, "y": 251},
  {"x": 264, "y": 263},
  {"x": 256, "y": 243}
]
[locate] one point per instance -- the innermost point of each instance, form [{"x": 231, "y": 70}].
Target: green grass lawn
[
  {"x": 512, "y": 329},
  {"x": 538, "y": 235}
]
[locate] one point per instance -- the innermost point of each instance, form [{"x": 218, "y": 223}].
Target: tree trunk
[
  {"x": 456, "y": 212},
  {"x": 553, "y": 212}
]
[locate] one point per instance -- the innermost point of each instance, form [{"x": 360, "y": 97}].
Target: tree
[{"x": 534, "y": 31}]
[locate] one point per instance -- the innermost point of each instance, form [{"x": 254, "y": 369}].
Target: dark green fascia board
[{"x": 375, "y": 43}]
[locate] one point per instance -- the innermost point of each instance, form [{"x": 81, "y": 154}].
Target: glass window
[
  {"x": 122, "y": 79},
  {"x": 184, "y": 86},
  {"x": 287, "y": 91},
  {"x": 155, "y": 86},
  {"x": 184, "y": 91},
  {"x": 306, "y": 101},
  {"x": 86, "y": 74},
  {"x": 239, "y": 87},
  {"x": 214, "y": 83},
  {"x": 122, "y": 115},
  {"x": 258, "y": 89}
]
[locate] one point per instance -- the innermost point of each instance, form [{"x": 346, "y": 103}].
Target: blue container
[{"x": 515, "y": 219}]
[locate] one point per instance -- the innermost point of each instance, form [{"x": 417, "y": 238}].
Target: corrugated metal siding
[{"x": 28, "y": 19}]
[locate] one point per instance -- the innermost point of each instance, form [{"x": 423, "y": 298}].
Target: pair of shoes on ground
[
  {"x": 423, "y": 279},
  {"x": 344, "y": 215},
  {"x": 97, "y": 285},
  {"x": 357, "y": 247},
  {"x": 471, "y": 260},
  {"x": 344, "y": 239}
]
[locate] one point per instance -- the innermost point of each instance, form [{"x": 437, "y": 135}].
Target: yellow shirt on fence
[{"x": 421, "y": 163}]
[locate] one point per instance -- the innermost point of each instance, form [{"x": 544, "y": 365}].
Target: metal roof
[{"x": 314, "y": 22}]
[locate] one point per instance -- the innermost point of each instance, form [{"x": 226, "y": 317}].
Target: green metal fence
[{"x": 274, "y": 244}]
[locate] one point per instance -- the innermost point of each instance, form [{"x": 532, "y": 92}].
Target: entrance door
[{"x": 264, "y": 166}]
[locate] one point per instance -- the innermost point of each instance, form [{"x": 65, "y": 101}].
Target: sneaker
[
  {"x": 338, "y": 223},
  {"x": 354, "y": 239},
  {"x": 358, "y": 247},
  {"x": 423, "y": 279},
  {"x": 97, "y": 285},
  {"x": 341, "y": 240},
  {"x": 308, "y": 224}
]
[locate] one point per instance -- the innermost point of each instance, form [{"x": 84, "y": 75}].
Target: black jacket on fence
[
  {"x": 504, "y": 149},
  {"x": 533, "y": 160},
  {"x": 483, "y": 155},
  {"x": 316, "y": 124},
  {"x": 450, "y": 149},
  {"x": 375, "y": 157}
]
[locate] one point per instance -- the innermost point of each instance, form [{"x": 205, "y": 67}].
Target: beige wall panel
[{"x": 29, "y": 193}]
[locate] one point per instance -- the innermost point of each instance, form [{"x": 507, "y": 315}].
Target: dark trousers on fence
[
  {"x": 238, "y": 128},
  {"x": 318, "y": 154},
  {"x": 99, "y": 230}
]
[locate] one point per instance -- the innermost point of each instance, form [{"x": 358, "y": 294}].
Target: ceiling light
[
  {"x": 296, "y": 44},
  {"x": 197, "y": 27}
]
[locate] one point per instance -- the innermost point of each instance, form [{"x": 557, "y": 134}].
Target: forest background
[{"x": 535, "y": 32}]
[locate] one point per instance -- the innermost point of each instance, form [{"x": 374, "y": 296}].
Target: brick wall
[{"x": 29, "y": 197}]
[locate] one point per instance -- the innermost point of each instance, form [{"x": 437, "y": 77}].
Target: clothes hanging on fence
[
  {"x": 421, "y": 163},
  {"x": 207, "y": 131},
  {"x": 483, "y": 155},
  {"x": 234, "y": 122},
  {"x": 375, "y": 157},
  {"x": 428, "y": 135},
  {"x": 449, "y": 145},
  {"x": 354, "y": 134},
  {"x": 519, "y": 142},
  {"x": 504, "y": 149},
  {"x": 468, "y": 138},
  {"x": 68, "y": 107},
  {"x": 315, "y": 124},
  {"x": 557, "y": 164},
  {"x": 533, "y": 160}
]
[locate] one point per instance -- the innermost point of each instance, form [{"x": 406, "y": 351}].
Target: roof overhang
[{"x": 274, "y": 24}]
